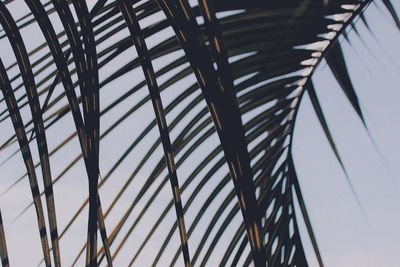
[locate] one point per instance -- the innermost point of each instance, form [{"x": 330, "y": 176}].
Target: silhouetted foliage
[{"x": 235, "y": 71}]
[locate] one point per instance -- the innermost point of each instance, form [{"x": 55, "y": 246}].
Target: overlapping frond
[{"x": 224, "y": 81}]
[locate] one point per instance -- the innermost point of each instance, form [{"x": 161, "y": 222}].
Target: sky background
[{"x": 346, "y": 237}]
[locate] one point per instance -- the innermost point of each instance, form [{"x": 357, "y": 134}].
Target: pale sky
[{"x": 345, "y": 236}]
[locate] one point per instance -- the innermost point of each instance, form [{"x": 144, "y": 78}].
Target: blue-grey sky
[{"x": 345, "y": 236}]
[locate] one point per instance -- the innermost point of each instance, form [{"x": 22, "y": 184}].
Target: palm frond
[
  {"x": 3, "y": 245},
  {"x": 231, "y": 75}
]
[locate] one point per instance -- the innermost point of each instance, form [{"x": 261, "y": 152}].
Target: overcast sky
[{"x": 345, "y": 236}]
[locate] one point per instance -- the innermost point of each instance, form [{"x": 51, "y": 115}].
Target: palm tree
[{"x": 224, "y": 80}]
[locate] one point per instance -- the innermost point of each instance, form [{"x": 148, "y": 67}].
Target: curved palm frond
[{"x": 231, "y": 74}]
